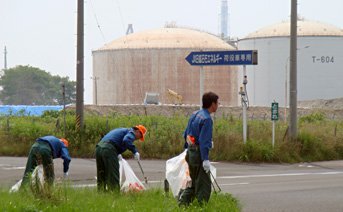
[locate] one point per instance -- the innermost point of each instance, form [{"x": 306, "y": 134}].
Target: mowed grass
[{"x": 88, "y": 199}]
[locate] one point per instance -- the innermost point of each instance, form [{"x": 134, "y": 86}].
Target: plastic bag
[
  {"x": 131, "y": 183},
  {"x": 177, "y": 173},
  {"x": 37, "y": 173}
]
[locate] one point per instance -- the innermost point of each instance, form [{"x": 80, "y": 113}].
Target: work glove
[
  {"x": 65, "y": 174},
  {"x": 120, "y": 157},
  {"x": 137, "y": 156},
  {"x": 206, "y": 165}
]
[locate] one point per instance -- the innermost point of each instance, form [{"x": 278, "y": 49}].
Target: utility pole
[
  {"x": 80, "y": 62},
  {"x": 293, "y": 72}
]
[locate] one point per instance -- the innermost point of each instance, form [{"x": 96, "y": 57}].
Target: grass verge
[{"x": 88, "y": 199}]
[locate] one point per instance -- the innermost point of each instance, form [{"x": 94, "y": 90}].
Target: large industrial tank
[
  {"x": 320, "y": 62},
  {"x": 154, "y": 61}
]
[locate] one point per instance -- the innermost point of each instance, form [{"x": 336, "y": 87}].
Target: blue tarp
[{"x": 27, "y": 110}]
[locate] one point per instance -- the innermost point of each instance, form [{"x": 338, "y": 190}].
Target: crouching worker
[
  {"x": 43, "y": 151},
  {"x": 198, "y": 141},
  {"x": 108, "y": 152}
]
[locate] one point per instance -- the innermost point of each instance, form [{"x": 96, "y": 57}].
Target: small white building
[{"x": 319, "y": 62}]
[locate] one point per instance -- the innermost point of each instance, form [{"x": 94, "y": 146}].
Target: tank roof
[
  {"x": 168, "y": 38},
  {"x": 306, "y": 28}
]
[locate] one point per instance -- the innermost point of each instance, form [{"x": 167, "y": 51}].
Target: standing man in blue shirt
[
  {"x": 43, "y": 151},
  {"x": 109, "y": 150},
  {"x": 198, "y": 141}
]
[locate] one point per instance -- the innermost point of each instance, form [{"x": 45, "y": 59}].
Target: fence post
[
  {"x": 107, "y": 126},
  {"x": 8, "y": 125},
  {"x": 286, "y": 133},
  {"x": 335, "y": 130},
  {"x": 58, "y": 125}
]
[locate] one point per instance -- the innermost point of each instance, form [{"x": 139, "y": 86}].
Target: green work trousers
[
  {"x": 201, "y": 183},
  {"x": 40, "y": 153},
  {"x": 107, "y": 166}
]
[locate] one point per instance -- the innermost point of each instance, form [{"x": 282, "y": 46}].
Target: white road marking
[
  {"x": 156, "y": 181},
  {"x": 14, "y": 168},
  {"x": 237, "y": 177},
  {"x": 308, "y": 166},
  {"x": 83, "y": 185},
  {"x": 94, "y": 185},
  {"x": 233, "y": 184},
  {"x": 277, "y": 175}
]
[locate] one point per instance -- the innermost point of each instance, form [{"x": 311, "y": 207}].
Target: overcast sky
[{"x": 42, "y": 33}]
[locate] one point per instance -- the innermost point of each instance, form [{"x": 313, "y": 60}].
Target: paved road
[{"x": 313, "y": 187}]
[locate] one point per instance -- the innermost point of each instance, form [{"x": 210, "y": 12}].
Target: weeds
[
  {"x": 318, "y": 138},
  {"x": 88, "y": 199}
]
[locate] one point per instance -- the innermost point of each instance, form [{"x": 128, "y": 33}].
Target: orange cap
[
  {"x": 143, "y": 130},
  {"x": 64, "y": 141}
]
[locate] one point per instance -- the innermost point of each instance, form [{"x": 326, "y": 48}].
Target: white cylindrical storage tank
[
  {"x": 319, "y": 62},
  {"x": 154, "y": 61}
]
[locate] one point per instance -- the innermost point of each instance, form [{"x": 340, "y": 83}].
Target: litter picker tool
[
  {"x": 146, "y": 179},
  {"x": 214, "y": 179}
]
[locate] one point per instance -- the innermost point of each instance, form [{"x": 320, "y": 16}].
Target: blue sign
[{"x": 211, "y": 58}]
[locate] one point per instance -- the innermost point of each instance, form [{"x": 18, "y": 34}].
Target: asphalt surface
[{"x": 314, "y": 187}]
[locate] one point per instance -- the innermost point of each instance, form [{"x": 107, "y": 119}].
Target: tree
[{"x": 27, "y": 85}]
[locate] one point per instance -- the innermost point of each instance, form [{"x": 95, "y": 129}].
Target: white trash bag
[
  {"x": 131, "y": 183},
  {"x": 177, "y": 173},
  {"x": 37, "y": 173}
]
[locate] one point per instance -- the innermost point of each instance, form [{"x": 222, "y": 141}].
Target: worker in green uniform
[
  {"x": 108, "y": 152},
  {"x": 43, "y": 151},
  {"x": 198, "y": 141}
]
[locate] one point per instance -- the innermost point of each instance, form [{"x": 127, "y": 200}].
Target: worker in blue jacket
[
  {"x": 43, "y": 151},
  {"x": 198, "y": 141},
  {"x": 108, "y": 153}
]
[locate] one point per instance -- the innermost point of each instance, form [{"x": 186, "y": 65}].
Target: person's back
[
  {"x": 43, "y": 151},
  {"x": 108, "y": 152}
]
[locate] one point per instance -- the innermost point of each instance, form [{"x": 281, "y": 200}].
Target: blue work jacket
[
  {"x": 200, "y": 126},
  {"x": 123, "y": 139},
  {"x": 59, "y": 150}
]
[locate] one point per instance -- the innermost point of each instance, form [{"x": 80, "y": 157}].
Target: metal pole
[
  {"x": 286, "y": 78},
  {"x": 273, "y": 133},
  {"x": 201, "y": 84},
  {"x": 79, "y": 66},
  {"x": 64, "y": 109},
  {"x": 244, "y": 108},
  {"x": 5, "y": 59},
  {"x": 293, "y": 72}
]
